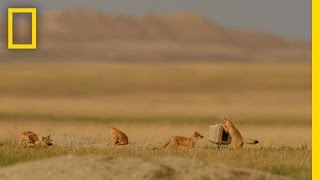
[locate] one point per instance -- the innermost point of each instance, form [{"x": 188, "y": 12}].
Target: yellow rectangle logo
[{"x": 33, "y": 12}]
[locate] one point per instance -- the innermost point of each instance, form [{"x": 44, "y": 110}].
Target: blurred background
[{"x": 159, "y": 64}]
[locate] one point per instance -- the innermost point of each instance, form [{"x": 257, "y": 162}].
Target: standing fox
[
  {"x": 230, "y": 128},
  {"x": 118, "y": 137},
  {"x": 32, "y": 138},
  {"x": 183, "y": 141}
]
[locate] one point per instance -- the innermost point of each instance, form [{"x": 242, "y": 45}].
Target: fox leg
[
  {"x": 166, "y": 144},
  {"x": 31, "y": 144},
  {"x": 190, "y": 148},
  {"x": 175, "y": 145},
  {"x": 238, "y": 145},
  {"x": 241, "y": 145},
  {"x": 122, "y": 143},
  {"x": 113, "y": 140},
  {"x": 225, "y": 128}
]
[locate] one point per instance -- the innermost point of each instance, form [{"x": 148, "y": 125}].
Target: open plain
[{"x": 74, "y": 102}]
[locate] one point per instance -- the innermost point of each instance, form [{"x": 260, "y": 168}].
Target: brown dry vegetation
[
  {"x": 272, "y": 92},
  {"x": 270, "y": 102}
]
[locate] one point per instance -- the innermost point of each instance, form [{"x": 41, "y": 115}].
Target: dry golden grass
[
  {"x": 278, "y": 92},
  {"x": 294, "y": 161},
  {"x": 270, "y": 102}
]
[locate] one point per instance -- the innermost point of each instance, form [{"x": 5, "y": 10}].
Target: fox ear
[
  {"x": 48, "y": 135},
  {"x": 224, "y": 119}
]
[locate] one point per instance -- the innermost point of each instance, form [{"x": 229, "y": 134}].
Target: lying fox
[
  {"x": 183, "y": 141},
  {"x": 118, "y": 137},
  {"x": 237, "y": 139},
  {"x": 32, "y": 138}
]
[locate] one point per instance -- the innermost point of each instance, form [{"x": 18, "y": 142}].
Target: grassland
[
  {"x": 260, "y": 93},
  {"x": 294, "y": 162},
  {"x": 270, "y": 102}
]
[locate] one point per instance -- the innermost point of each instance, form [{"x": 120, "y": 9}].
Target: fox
[
  {"x": 183, "y": 141},
  {"x": 118, "y": 137},
  {"x": 32, "y": 138},
  {"x": 235, "y": 134}
]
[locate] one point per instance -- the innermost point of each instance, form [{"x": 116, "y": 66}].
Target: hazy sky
[{"x": 289, "y": 18}]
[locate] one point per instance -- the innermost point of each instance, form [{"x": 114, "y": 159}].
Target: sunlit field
[
  {"x": 269, "y": 102},
  {"x": 270, "y": 159},
  {"x": 259, "y": 93}
]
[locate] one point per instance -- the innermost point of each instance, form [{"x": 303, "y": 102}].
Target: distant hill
[{"x": 80, "y": 35}]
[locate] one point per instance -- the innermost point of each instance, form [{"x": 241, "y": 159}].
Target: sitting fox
[
  {"x": 183, "y": 141},
  {"x": 237, "y": 139},
  {"x": 31, "y": 138},
  {"x": 118, "y": 137}
]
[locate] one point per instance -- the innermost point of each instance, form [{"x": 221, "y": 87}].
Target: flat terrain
[
  {"x": 74, "y": 102},
  {"x": 174, "y": 93},
  {"x": 124, "y": 168},
  {"x": 271, "y": 159}
]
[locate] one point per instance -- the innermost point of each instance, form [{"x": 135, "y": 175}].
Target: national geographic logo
[{"x": 33, "y": 12}]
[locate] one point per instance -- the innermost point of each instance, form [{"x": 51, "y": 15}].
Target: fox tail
[{"x": 250, "y": 141}]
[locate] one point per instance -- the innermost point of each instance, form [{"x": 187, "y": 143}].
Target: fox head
[
  {"x": 111, "y": 127},
  {"x": 47, "y": 140},
  {"x": 228, "y": 121},
  {"x": 30, "y": 139},
  {"x": 197, "y": 134}
]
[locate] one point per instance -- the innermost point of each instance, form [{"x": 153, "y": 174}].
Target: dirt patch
[
  {"x": 108, "y": 167},
  {"x": 76, "y": 141}
]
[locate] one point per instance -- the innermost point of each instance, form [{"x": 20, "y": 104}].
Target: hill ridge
[{"x": 163, "y": 35}]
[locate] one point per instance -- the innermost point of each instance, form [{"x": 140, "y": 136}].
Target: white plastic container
[{"x": 218, "y": 136}]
